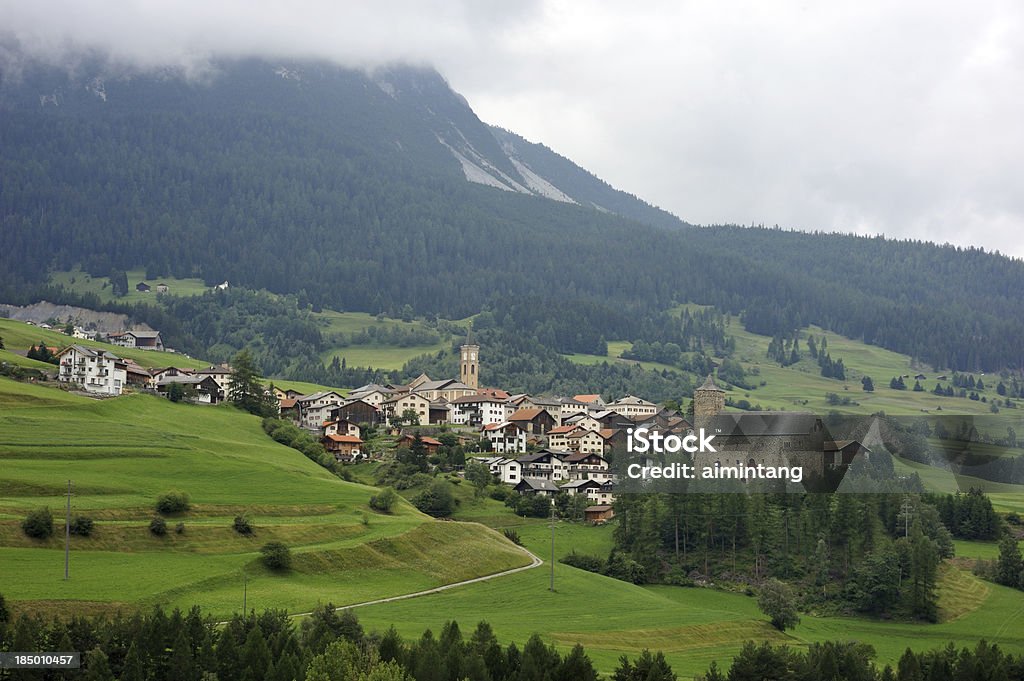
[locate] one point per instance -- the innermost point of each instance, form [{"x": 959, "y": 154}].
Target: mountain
[{"x": 380, "y": 190}]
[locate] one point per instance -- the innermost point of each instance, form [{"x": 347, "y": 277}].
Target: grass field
[
  {"x": 121, "y": 453},
  {"x": 373, "y": 355},
  {"x": 615, "y": 350},
  {"x": 378, "y": 356},
  {"x": 692, "y": 626},
  {"x": 82, "y": 282},
  {"x": 21, "y": 336}
]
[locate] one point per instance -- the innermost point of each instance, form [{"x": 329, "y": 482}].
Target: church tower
[
  {"x": 469, "y": 363},
  {"x": 708, "y": 401}
]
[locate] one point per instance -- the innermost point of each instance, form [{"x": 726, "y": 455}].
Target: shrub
[
  {"x": 174, "y": 501},
  {"x": 276, "y": 556},
  {"x": 179, "y": 528},
  {"x": 513, "y": 536},
  {"x": 385, "y": 501},
  {"x": 158, "y": 526},
  {"x": 584, "y": 562},
  {"x": 81, "y": 525},
  {"x": 38, "y": 524},
  {"x": 437, "y": 500},
  {"x": 778, "y": 601},
  {"x": 243, "y": 526}
]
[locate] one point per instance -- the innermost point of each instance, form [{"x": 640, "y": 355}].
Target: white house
[
  {"x": 505, "y": 438},
  {"x": 92, "y": 370},
  {"x": 634, "y": 408},
  {"x": 478, "y": 410},
  {"x": 509, "y": 471},
  {"x": 316, "y": 408},
  {"x": 394, "y": 407}
]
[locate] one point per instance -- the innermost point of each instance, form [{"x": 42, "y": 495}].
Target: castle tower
[
  {"x": 708, "y": 401},
  {"x": 469, "y": 364}
]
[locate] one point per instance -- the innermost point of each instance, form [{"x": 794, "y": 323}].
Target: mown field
[
  {"x": 83, "y": 282},
  {"x": 120, "y": 454},
  {"x": 692, "y": 626},
  {"x": 375, "y": 355}
]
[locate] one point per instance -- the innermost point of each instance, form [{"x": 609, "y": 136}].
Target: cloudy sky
[{"x": 868, "y": 116}]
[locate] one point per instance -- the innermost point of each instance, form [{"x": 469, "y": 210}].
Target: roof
[
  {"x": 539, "y": 484},
  {"x": 348, "y": 439},
  {"x": 634, "y": 400},
  {"x": 184, "y": 380},
  {"x": 762, "y": 423},
  {"x": 576, "y": 457},
  {"x": 423, "y": 438},
  {"x": 403, "y": 396},
  {"x": 841, "y": 444},
  {"x": 587, "y": 399},
  {"x": 493, "y": 392},
  {"x": 470, "y": 399},
  {"x": 531, "y": 458},
  {"x": 144, "y": 334},
  {"x": 500, "y": 426},
  {"x": 559, "y": 430},
  {"x": 600, "y": 508},
  {"x": 318, "y": 396},
  {"x": 437, "y": 385},
  {"x": 89, "y": 352},
  {"x": 222, "y": 369},
  {"x": 526, "y": 414},
  {"x": 576, "y": 484},
  {"x": 709, "y": 385},
  {"x": 287, "y": 403}
]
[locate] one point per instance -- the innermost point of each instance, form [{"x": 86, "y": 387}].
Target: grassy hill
[
  {"x": 20, "y": 336},
  {"x": 121, "y": 453},
  {"x": 801, "y": 387},
  {"x": 692, "y": 626}
]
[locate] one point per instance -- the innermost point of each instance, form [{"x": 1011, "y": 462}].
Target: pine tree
[{"x": 246, "y": 390}]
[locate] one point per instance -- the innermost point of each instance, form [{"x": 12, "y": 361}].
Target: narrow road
[{"x": 534, "y": 562}]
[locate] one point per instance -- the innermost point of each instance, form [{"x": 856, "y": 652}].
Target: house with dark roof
[
  {"x": 536, "y": 486},
  {"x": 144, "y": 340},
  {"x": 534, "y": 421},
  {"x": 545, "y": 464}
]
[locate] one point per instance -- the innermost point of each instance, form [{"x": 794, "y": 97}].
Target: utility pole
[
  {"x": 552, "y": 587},
  {"x": 67, "y": 534}
]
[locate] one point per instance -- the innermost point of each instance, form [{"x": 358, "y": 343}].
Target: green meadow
[
  {"x": 693, "y": 626},
  {"x": 121, "y": 453},
  {"x": 20, "y": 336},
  {"x": 801, "y": 386},
  {"x": 82, "y": 282}
]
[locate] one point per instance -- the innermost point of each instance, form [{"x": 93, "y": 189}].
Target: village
[
  {"x": 538, "y": 445},
  {"x": 535, "y": 444}
]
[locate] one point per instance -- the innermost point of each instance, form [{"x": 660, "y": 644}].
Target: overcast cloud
[{"x": 867, "y": 116}]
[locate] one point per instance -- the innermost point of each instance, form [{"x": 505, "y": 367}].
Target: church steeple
[{"x": 469, "y": 362}]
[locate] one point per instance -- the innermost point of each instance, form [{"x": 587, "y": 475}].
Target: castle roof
[{"x": 709, "y": 385}]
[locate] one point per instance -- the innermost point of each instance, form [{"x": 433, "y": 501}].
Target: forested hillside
[{"x": 350, "y": 191}]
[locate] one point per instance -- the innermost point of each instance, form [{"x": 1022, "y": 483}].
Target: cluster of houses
[
  {"x": 540, "y": 444},
  {"x": 101, "y": 372}
]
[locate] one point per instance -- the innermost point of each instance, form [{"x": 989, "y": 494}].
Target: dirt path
[{"x": 534, "y": 562}]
